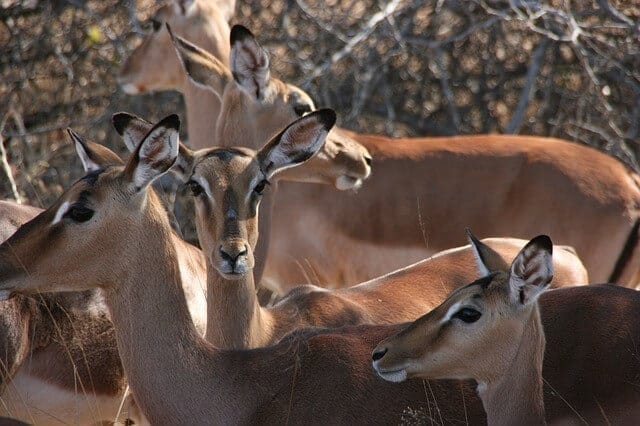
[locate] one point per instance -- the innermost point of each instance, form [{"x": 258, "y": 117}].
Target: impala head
[
  {"x": 477, "y": 330},
  {"x": 228, "y": 184},
  {"x": 104, "y": 215},
  {"x": 153, "y": 65},
  {"x": 255, "y": 106}
]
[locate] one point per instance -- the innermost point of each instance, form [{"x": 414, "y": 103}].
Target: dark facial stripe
[{"x": 230, "y": 201}]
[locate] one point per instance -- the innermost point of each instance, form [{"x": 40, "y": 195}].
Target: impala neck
[
  {"x": 203, "y": 108},
  {"x": 161, "y": 351},
  {"x": 193, "y": 273},
  {"x": 235, "y": 319},
  {"x": 516, "y": 398}
]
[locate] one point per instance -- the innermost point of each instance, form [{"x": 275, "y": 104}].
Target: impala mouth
[
  {"x": 391, "y": 375},
  {"x": 232, "y": 274},
  {"x": 395, "y": 376},
  {"x": 346, "y": 182}
]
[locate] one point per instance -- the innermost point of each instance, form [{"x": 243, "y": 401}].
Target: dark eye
[
  {"x": 468, "y": 315},
  {"x": 259, "y": 189},
  {"x": 79, "y": 213},
  {"x": 302, "y": 109},
  {"x": 195, "y": 188},
  {"x": 155, "y": 24}
]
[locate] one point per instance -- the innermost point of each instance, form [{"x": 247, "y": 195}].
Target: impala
[
  {"x": 228, "y": 185},
  {"x": 312, "y": 376},
  {"x": 489, "y": 331},
  {"x": 424, "y": 190},
  {"x": 59, "y": 355},
  {"x": 343, "y": 164},
  {"x": 205, "y": 22}
]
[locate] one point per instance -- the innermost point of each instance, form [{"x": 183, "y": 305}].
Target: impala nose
[
  {"x": 378, "y": 354},
  {"x": 233, "y": 254},
  {"x": 368, "y": 160}
]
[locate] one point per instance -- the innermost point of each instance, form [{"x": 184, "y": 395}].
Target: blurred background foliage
[{"x": 569, "y": 69}]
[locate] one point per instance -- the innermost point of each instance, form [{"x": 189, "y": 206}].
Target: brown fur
[
  {"x": 327, "y": 373},
  {"x": 424, "y": 190},
  {"x": 500, "y": 343},
  {"x": 237, "y": 319},
  {"x": 67, "y": 339},
  {"x": 311, "y": 377}
]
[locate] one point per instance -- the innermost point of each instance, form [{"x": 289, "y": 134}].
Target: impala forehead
[
  {"x": 223, "y": 168},
  {"x": 228, "y": 174}
]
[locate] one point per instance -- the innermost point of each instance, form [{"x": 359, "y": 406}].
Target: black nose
[
  {"x": 368, "y": 160},
  {"x": 379, "y": 353},
  {"x": 232, "y": 258}
]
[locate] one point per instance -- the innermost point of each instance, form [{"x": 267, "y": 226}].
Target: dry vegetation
[{"x": 442, "y": 67}]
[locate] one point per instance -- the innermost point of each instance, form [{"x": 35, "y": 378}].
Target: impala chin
[
  {"x": 233, "y": 273},
  {"x": 395, "y": 376},
  {"x": 345, "y": 182}
]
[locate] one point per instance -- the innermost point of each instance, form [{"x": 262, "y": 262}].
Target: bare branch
[
  {"x": 4, "y": 161},
  {"x": 369, "y": 27},
  {"x": 528, "y": 88}
]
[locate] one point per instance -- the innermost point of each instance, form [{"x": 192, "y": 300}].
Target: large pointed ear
[
  {"x": 183, "y": 167},
  {"x": 156, "y": 153},
  {"x": 92, "y": 155},
  {"x": 297, "y": 143},
  {"x": 203, "y": 68},
  {"x": 487, "y": 259},
  {"x": 249, "y": 63},
  {"x": 131, "y": 127},
  {"x": 531, "y": 270}
]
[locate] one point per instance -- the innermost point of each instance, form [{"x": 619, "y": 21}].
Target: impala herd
[{"x": 108, "y": 316}]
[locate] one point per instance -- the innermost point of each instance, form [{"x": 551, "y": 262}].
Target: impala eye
[
  {"x": 155, "y": 24},
  {"x": 79, "y": 213},
  {"x": 260, "y": 187},
  {"x": 468, "y": 315},
  {"x": 195, "y": 187},
  {"x": 302, "y": 109}
]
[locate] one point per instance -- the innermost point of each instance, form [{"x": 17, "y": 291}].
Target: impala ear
[
  {"x": 92, "y": 155},
  {"x": 249, "y": 63},
  {"x": 531, "y": 270},
  {"x": 156, "y": 153},
  {"x": 203, "y": 68},
  {"x": 183, "y": 167},
  {"x": 297, "y": 143},
  {"x": 131, "y": 127},
  {"x": 487, "y": 259}
]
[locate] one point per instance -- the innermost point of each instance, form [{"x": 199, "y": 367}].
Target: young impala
[
  {"x": 423, "y": 190},
  {"x": 228, "y": 185},
  {"x": 312, "y": 376},
  {"x": 58, "y": 350},
  {"x": 489, "y": 331}
]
